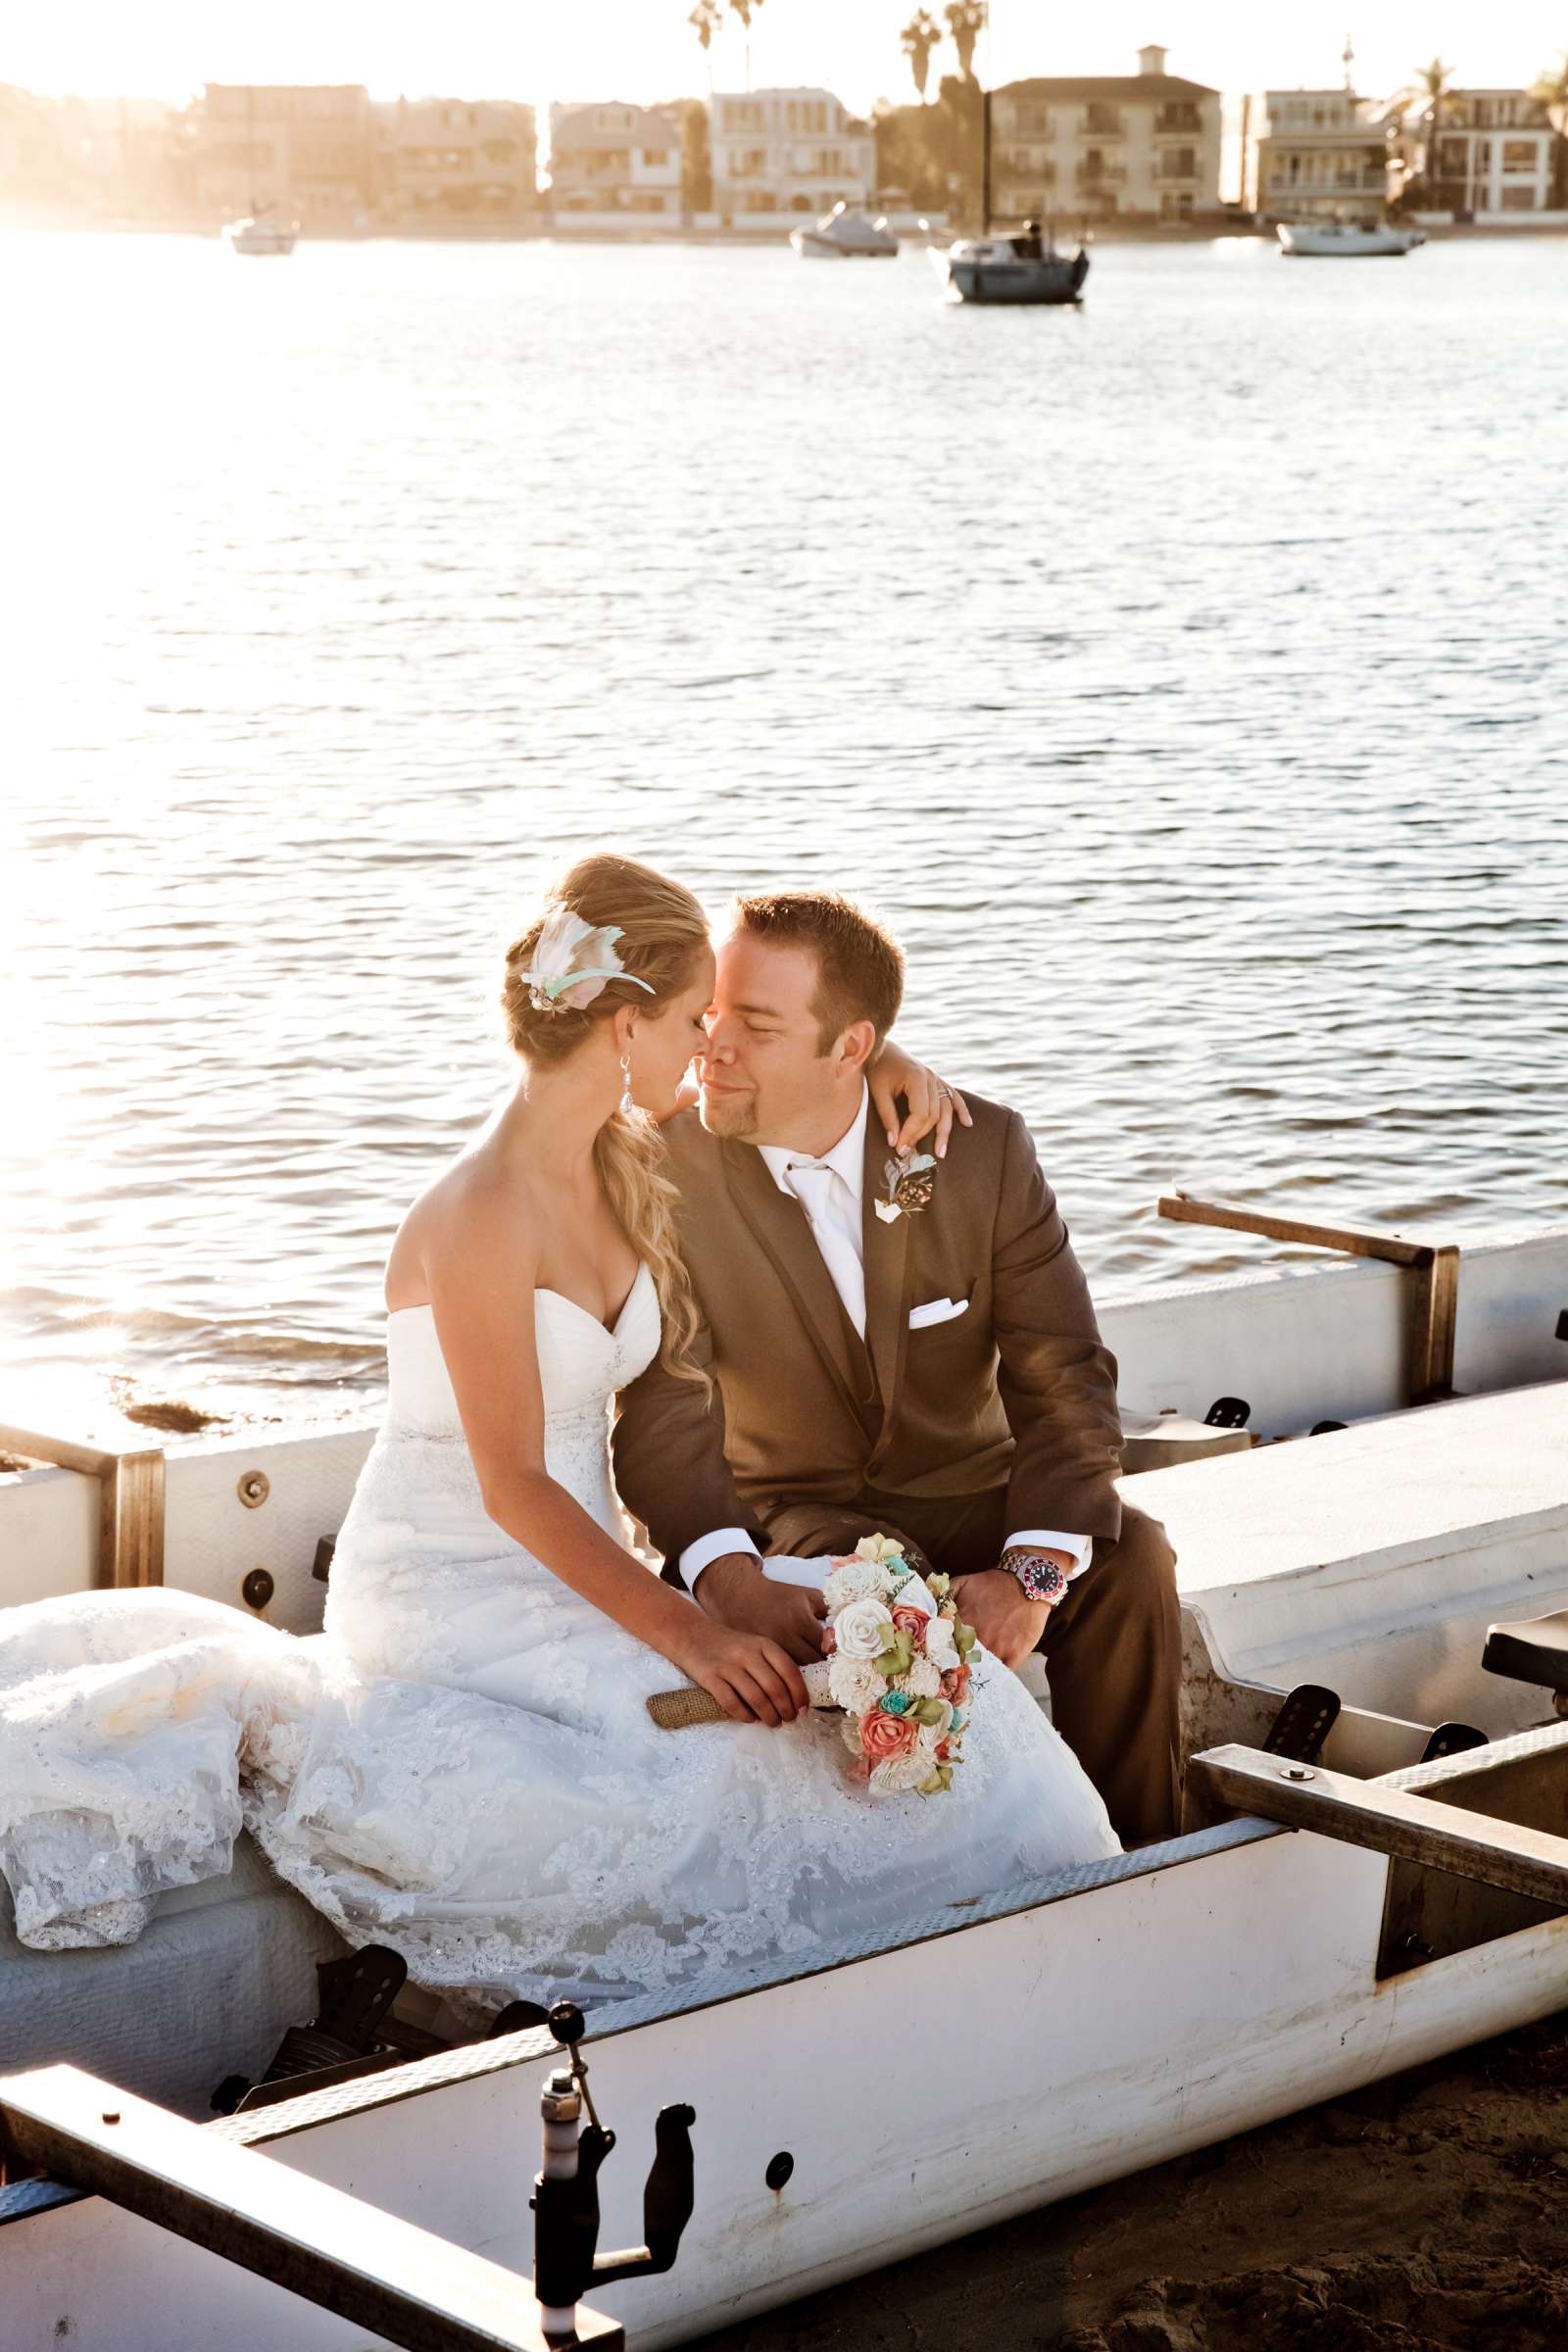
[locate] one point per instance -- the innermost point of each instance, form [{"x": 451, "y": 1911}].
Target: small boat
[
  {"x": 1372, "y": 1872},
  {"x": 255, "y": 234},
  {"x": 1345, "y": 240},
  {"x": 845, "y": 236},
  {"x": 1021, "y": 268},
  {"x": 1013, "y": 270}
]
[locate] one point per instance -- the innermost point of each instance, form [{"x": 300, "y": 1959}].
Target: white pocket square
[{"x": 937, "y": 1311}]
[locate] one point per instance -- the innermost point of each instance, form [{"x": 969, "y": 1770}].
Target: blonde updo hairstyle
[{"x": 662, "y": 933}]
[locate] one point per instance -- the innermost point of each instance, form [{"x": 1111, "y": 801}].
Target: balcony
[
  {"x": 1103, "y": 122},
  {"x": 1181, "y": 118},
  {"x": 1174, "y": 172},
  {"x": 1018, "y": 172},
  {"x": 1092, "y": 173}
]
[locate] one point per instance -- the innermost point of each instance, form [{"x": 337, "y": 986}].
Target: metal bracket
[
  {"x": 1434, "y": 1269},
  {"x": 371, "y": 2269},
  {"x": 130, "y": 1500}
]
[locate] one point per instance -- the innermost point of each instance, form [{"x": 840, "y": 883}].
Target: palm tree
[
  {"x": 965, "y": 21},
  {"x": 919, "y": 37},
  {"x": 745, "y": 10},
  {"x": 1433, "y": 88},
  {"x": 704, "y": 22},
  {"x": 1552, "y": 91}
]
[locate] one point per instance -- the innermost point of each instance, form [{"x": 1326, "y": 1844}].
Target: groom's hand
[
  {"x": 734, "y": 1592},
  {"x": 1007, "y": 1620}
]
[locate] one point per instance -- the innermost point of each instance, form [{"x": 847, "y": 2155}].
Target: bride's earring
[{"x": 626, "y": 1101}]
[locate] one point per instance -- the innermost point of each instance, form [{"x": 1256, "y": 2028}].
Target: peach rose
[
  {"x": 908, "y": 1621},
  {"x": 885, "y": 1736}
]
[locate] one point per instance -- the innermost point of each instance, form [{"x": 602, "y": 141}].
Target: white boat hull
[
  {"x": 1138, "y": 2015},
  {"x": 1346, "y": 240},
  {"x": 258, "y": 239},
  {"x": 814, "y": 246}
]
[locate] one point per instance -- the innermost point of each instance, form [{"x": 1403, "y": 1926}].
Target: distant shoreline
[{"x": 1120, "y": 231}]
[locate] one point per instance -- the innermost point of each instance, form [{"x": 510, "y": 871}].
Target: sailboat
[
  {"x": 1017, "y": 269},
  {"x": 256, "y": 233}
]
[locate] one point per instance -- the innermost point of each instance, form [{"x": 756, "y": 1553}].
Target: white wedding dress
[{"x": 463, "y": 1767}]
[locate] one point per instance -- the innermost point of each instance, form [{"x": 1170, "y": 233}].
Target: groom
[{"x": 909, "y": 1353}]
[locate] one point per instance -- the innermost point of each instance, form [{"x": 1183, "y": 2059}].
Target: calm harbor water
[{"x": 1183, "y": 676}]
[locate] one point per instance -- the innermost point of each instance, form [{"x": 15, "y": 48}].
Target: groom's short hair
[{"x": 859, "y": 964}]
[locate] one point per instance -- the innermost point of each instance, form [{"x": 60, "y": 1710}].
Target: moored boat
[
  {"x": 255, "y": 234},
  {"x": 843, "y": 235},
  {"x": 1022, "y": 268},
  {"x": 1346, "y": 240},
  {"x": 995, "y": 270}
]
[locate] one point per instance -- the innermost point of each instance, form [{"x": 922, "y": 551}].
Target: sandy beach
[{"x": 1424, "y": 2213}]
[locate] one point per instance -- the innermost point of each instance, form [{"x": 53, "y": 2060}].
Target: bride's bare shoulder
[{"x": 470, "y": 1213}]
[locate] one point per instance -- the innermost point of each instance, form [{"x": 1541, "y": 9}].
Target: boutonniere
[{"x": 908, "y": 1182}]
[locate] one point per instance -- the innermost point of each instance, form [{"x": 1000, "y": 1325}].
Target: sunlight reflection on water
[{"x": 1183, "y": 677}]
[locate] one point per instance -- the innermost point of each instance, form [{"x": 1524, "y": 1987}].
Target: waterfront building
[
  {"x": 1491, "y": 153},
  {"x": 1106, "y": 145},
  {"x": 779, "y": 154},
  {"x": 108, "y": 158},
  {"x": 615, "y": 167},
  {"x": 309, "y": 152},
  {"x": 456, "y": 160},
  {"x": 1319, "y": 153},
  {"x": 33, "y": 167}
]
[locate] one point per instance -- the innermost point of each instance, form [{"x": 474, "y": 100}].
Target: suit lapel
[
  {"x": 886, "y": 1252},
  {"x": 778, "y": 1222}
]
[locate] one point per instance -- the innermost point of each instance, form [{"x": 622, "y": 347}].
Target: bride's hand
[
  {"x": 931, "y": 1102},
  {"x": 687, "y": 1097},
  {"x": 752, "y": 1680}
]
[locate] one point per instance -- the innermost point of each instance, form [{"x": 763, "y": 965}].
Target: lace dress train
[{"x": 463, "y": 1766}]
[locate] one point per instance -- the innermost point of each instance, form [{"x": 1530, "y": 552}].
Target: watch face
[{"x": 1042, "y": 1579}]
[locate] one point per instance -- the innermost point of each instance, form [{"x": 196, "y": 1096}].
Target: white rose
[
  {"x": 940, "y": 1647},
  {"x": 851, "y": 1580},
  {"x": 923, "y": 1679},
  {"x": 853, "y": 1686},
  {"x": 912, "y": 1594},
  {"x": 862, "y": 1630},
  {"x": 900, "y": 1773}
]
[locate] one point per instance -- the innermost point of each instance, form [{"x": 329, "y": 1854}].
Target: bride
[{"x": 463, "y": 1767}]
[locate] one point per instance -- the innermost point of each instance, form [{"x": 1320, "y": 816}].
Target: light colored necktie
[{"x": 827, "y": 1200}]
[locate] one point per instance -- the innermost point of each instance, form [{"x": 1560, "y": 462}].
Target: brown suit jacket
[{"x": 1017, "y": 1392}]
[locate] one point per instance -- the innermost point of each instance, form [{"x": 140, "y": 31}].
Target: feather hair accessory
[{"x": 573, "y": 961}]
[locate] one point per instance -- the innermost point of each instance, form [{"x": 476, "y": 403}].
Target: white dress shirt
[{"x": 831, "y": 1191}]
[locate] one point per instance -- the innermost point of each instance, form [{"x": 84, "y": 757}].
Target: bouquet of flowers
[{"x": 897, "y": 1661}]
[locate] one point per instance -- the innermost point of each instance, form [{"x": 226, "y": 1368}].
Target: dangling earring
[{"x": 626, "y": 1103}]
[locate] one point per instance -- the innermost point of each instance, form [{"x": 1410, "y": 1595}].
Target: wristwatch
[{"x": 1041, "y": 1577}]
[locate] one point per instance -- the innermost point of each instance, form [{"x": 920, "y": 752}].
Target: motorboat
[
  {"x": 1372, "y": 1529},
  {"x": 257, "y": 234},
  {"x": 1345, "y": 240},
  {"x": 1012, "y": 269},
  {"x": 841, "y": 235}
]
